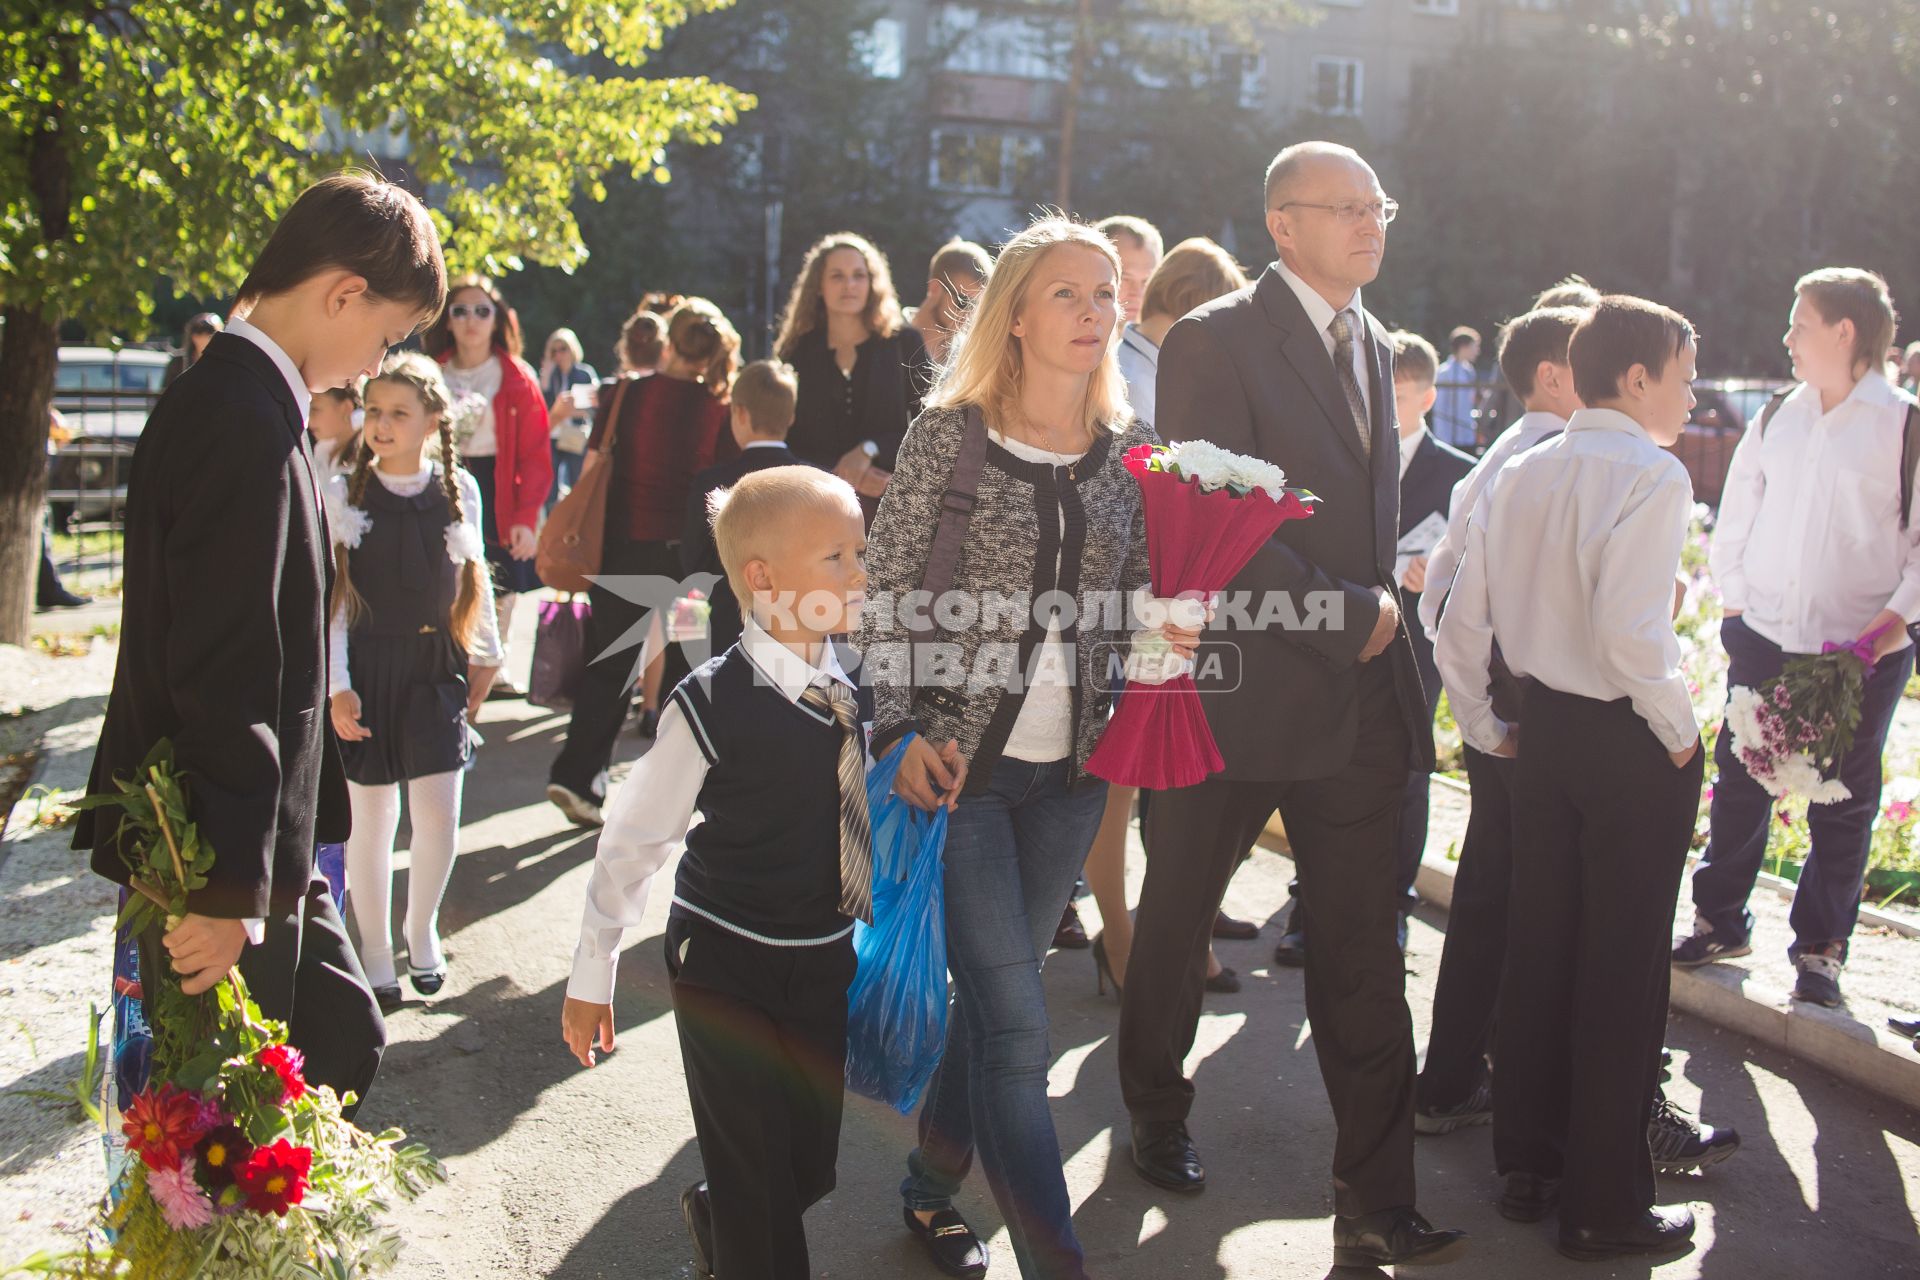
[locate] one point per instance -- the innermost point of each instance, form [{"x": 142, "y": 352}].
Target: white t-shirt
[
  {"x": 1043, "y": 731},
  {"x": 482, "y": 380}
]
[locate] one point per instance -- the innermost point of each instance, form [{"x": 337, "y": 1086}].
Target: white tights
[{"x": 434, "y": 802}]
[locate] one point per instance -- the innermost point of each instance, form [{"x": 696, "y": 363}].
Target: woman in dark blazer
[{"x": 863, "y": 370}]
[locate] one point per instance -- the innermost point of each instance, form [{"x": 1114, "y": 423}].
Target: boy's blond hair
[
  {"x": 1414, "y": 359},
  {"x": 766, "y": 391},
  {"x": 758, "y": 513}
]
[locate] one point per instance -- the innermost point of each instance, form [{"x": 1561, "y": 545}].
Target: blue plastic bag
[{"x": 897, "y": 1005}]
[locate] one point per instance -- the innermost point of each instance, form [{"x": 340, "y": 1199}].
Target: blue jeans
[
  {"x": 566, "y": 472},
  {"x": 1827, "y": 901},
  {"x": 1013, "y": 853}
]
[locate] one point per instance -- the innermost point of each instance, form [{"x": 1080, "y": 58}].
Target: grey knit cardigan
[{"x": 972, "y": 690}]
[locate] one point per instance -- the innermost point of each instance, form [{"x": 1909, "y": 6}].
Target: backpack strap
[
  {"x": 1909, "y": 459},
  {"x": 956, "y": 513},
  {"x": 1771, "y": 407}
]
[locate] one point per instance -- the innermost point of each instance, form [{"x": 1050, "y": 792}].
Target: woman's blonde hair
[
  {"x": 568, "y": 339},
  {"x": 987, "y": 366},
  {"x": 422, "y": 375},
  {"x": 807, "y": 306},
  {"x": 1193, "y": 273}
]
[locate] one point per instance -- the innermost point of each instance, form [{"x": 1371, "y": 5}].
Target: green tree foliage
[
  {"x": 1704, "y": 159},
  {"x": 144, "y": 139}
]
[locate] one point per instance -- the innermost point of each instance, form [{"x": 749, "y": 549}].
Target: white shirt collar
[
  {"x": 763, "y": 444},
  {"x": 1319, "y": 311},
  {"x": 302, "y": 397},
  {"x": 1538, "y": 422},
  {"x": 1874, "y": 389},
  {"x": 786, "y": 670},
  {"x": 1140, "y": 343},
  {"x": 1591, "y": 419},
  {"x": 1409, "y": 445}
]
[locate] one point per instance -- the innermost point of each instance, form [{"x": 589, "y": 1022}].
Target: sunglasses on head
[{"x": 478, "y": 310}]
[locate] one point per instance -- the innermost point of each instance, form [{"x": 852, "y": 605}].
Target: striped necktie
[
  {"x": 1342, "y": 329},
  {"x": 856, "y": 831}
]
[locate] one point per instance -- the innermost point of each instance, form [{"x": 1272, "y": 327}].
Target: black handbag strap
[{"x": 956, "y": 513}]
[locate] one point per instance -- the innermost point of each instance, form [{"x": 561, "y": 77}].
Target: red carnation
[
  {"x": 162, "y": 1125},
  {"x": 275, "y": 1178},
  {"x": 285, "y": 1062}
]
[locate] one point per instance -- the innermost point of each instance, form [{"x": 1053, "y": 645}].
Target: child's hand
[
  {"x": 581, "y": 1023},
  {"x": 521, "y": 544},
  {"x": 204, "y": 949},
  {"x": 346, "y": 717}
]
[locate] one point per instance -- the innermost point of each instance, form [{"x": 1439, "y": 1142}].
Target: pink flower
[
  {"x": 1709, "y": 795},
  {"x": 1900, "y": 811},
  {"x": 182, "y": 1203},
  {"x": 1786, "y": 819},
  {"x": 210, "y": 1116}
]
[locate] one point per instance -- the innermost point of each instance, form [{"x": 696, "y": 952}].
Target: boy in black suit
[
  {"x": 223, "y": 622},
  {"x": 763, "y": 403}
]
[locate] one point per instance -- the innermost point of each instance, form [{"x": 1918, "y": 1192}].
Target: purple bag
[{"x": 559, "y": 653}]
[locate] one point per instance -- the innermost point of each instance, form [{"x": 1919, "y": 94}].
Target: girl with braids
[
  {"x": 673, "y": 424},
  {"x": 414, "y": 646}
]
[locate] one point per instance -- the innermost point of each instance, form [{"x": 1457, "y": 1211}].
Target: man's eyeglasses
[
  {"x": 1351, "y": 211},
  {"x": 478, "y": 310}
]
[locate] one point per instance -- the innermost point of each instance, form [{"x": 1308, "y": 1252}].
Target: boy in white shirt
[
  {"x": 768, "y": 743},
  {"x": 1570, "y": 560},
  {"x": 1814, "y": 544}
]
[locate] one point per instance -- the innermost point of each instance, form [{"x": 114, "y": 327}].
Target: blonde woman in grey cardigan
[{"x": 1015, "y": 698}]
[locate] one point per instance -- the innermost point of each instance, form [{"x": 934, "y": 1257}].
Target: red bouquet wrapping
[{"x": 1208, "y": 511}]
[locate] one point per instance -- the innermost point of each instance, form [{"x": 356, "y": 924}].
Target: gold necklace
[{"x": 1046, "y": 434}]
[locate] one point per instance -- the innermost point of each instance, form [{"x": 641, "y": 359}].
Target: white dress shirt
[
  {"x": 487, "y": 650},
  {"x": 1410, "y": 445},
  {"x": 1043, "y": 731},
  {"x": 1139, "y": 358},
  {"x": 649, "y": 814},
  {"x": 1320, "y": 314},
  {"x": 1809, "y": 542},
  {"x": 1570, "y": 560},
  {"x": 296, "y": 383},
  {"x": 1444, "y": 560}
]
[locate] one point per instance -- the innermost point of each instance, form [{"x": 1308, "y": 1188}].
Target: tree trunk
[
  {"x": 1070, "y": 107},
  {"x": 28, "y": 353}
]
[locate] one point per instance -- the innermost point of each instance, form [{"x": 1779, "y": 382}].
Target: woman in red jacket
[{"x": 502, "y": 439}]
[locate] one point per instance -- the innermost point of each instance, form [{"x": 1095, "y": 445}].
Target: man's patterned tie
[
  {"x": 1342, "y": 330},
  {"x": 856, "y": 829}
]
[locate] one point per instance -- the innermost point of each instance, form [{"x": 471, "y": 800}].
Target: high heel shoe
[{"x": 1103, "y": 968}]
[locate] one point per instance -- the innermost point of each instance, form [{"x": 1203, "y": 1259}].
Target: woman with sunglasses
[{"x": 505, "y": 446}]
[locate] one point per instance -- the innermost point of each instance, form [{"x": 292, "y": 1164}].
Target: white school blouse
[
  {"x": 1043, "y": 731},
  {"x": 1444, "y": 560},
  {"x": 1570, "y": 560},
  {"x": 1809, "y": 542}
]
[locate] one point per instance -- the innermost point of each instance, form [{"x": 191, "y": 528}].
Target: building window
[
  {"x": 881, "y": 50},
  {"x": 1246, "y": 72},
  {"x": 1337, "y": 85},
  {"x": 997, "y": 44},
  {"x": 983, "y": 161},
  {"x": 1441, "y": 8}
]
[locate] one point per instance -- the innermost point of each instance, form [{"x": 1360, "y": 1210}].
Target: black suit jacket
[
  {"x": 698, "y": 554},
  {"x": 1427, "y": 489},
  {"x": 223, "y": 634},
  {"x": 1251, "y": 373}
]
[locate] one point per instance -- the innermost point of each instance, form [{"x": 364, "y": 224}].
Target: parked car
[{"x": 103, "y": 397}]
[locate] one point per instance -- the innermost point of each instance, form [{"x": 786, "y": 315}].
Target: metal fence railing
[{"x": 87, "y": 475}]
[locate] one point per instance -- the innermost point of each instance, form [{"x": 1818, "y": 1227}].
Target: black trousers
[
  {"x": 606, "y": 687},
  {"x": 763, "y": 1036},
  {"x": 1601, "y": 828},
  {"x": 304, "y": 972},
  {"x": 1468, "y": 989},
  {"x": 1343, "y": 830}
]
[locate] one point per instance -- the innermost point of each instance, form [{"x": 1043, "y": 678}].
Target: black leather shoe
[
  {"x": 1661, "y": 1229},
  {"x": 1070, "y": 934},
  {"x": 1291, "y": 950},
  {"x": 1529, "y": 1197},
  {"x": 1225, "y": 926},
  {"x": 1393, "y": 1237},
  {"x": 697, "y": 1212},
  {"x": 1166, "y": 1156},
  {"x": 950, "y": 1242},
  {"x": 1908, "y": 1027},
  {"x": 1225, "y": 982}
]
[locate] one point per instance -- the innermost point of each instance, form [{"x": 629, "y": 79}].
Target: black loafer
[
  {"x": 1661, "y": 1229},
  {"x": 1291, "y": 950},
  {"x": 1225, "y": 982},
  {"x": 1529, "y": 1197},
  {"x": 1226, "y": 927},
  {"x": 389, "y": 998},
  {"x": 697, "y": 1212},
  {"x": 1165, "y": 1156},
  {"x": 950, "y": 1242},
  {"x": 1393, "y": 1237}
]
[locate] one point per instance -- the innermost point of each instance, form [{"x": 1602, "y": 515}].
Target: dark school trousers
[
  {"x": 1601, "y": 828},
  {"x": 763, "y": 1036}
]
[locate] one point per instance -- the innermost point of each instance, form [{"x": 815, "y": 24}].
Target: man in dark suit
[
  {"x": 1320, "y": 716},
  {"x": 223, "y": 651},
  {"x": 763, "y": 403}
]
